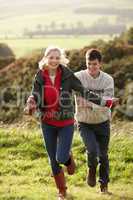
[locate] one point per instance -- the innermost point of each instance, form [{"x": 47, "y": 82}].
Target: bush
[{"x": 6, "y": 55}]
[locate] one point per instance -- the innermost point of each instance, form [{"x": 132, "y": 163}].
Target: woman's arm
[
  {"x": 34, "y": 99},
  {"x": 88, "y": 95},
  {"x": 36, "y": 91}
]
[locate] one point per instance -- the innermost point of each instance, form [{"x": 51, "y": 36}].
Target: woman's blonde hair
[{"x": 43, "y": 62}]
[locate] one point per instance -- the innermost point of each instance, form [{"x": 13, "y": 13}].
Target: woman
[{"x": 52, "y": 95}]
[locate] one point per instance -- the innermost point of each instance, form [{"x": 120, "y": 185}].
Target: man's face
[{"x": 93, "y": 67}]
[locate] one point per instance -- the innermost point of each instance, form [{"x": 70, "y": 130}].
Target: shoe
[
  {"x": 104, "y": 189},
  {"x": 71, "y": 166},
  {"x": 91, "y": 177}
]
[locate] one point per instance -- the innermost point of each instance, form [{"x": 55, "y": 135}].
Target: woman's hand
[{"x": 30, "y": 106}]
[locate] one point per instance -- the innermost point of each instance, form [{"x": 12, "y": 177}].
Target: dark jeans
[
  {"x": 96, "y": 139},
  {"x": 58, "y": 141}
]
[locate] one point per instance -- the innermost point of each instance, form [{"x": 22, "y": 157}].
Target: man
[{"x": 94, "y": 120}]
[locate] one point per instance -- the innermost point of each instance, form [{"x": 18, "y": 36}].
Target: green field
[
  {"x": 15, "y": 19},
  {"x": 23, "y": 47},
  {"x": 26, "y": 175}
]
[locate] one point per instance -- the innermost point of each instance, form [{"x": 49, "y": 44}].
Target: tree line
[{"x": 101, "y": 27}]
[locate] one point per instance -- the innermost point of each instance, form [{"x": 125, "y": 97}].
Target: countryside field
[
  {"x": 22, "y": 47},
  {"x": 18, "y": 16},
  {"x": 14, "y": 19},
  {"x": 25, "y": 173},
  {"x": 16, "y": 23}
]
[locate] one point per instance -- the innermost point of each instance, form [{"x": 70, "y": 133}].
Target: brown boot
[
  {"x": 61, "y": 185},
  {"x": 91, "y": 177},
  {"x": 71, "y": 166}
]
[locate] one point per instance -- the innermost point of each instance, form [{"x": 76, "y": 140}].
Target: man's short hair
[{"x": 93, "y": 54}]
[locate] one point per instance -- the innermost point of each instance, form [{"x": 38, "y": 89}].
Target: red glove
[
  {"x": 109, "y": 103},
  {"x": 112, "y": 102}
]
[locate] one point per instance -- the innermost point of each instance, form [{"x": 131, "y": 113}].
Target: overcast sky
[{"x": 102, "y": 2}]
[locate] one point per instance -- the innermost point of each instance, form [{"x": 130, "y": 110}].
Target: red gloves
[{"x": 112, "y": 102}]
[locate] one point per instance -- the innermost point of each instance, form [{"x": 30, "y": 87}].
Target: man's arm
[
  {"x": 109, "y": 89},
  {"x": 108, "y": 94}
]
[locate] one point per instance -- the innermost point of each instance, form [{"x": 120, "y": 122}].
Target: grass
[
  {"x": 26, "y": 175},
  {"x": 22, "y": 47}
]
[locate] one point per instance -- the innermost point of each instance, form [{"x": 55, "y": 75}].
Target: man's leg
[
  {"x": 103, "y": 138},
  {"x": 89, "y": 140}
]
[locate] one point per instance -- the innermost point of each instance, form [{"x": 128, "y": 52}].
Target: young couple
[{"x": 52, "y": 96}]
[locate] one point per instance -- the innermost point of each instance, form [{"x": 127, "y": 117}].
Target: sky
[
  {"x": 29, "y": 13},
  {"x": 76, "y": 2}
]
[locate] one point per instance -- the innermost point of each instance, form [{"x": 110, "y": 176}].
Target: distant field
[
  {"x": 14, "y": 21},
  {"x": 15, "y": 17},
  {"x": 23, "y": 47},
  {"x": 15, "y": 24}
]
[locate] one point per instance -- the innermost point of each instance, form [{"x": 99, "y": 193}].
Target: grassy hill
[
  {"x": 24, "y": 170},
  {"x": 26, "y": 175}
]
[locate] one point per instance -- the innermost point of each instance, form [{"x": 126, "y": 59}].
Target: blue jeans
[
  {"x": 96, "y": 139},
  {"x": 58, "y": 141}
]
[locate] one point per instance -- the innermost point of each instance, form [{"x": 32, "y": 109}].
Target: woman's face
[{"x": 53, "y": 59}]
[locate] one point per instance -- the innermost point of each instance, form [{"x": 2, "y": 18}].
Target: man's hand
[
  {"x": 115, "y": 102},
  {"x": 112, "y": 102}
]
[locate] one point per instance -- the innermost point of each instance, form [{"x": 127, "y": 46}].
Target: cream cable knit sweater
[{"x": 102, "y": 85}]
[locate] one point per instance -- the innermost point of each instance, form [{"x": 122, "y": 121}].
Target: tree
[
  {"x": 130, "y": 36},
  {"x": 39, "y": 28},
  {"x": 80, "y": 25},
  {"x": 53, "y": 25},
  {"x": 63, "y": 25}
]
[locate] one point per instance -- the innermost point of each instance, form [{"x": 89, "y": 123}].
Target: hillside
[
  {"x": 25, "y": 173},
  {"x": 24, "y": 170}
]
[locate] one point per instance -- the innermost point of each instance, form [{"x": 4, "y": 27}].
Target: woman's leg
[
  {"x": 65, "y": 136},
  {"x": 50, "y": 140},
  {"x": 64, "y": 153}
]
